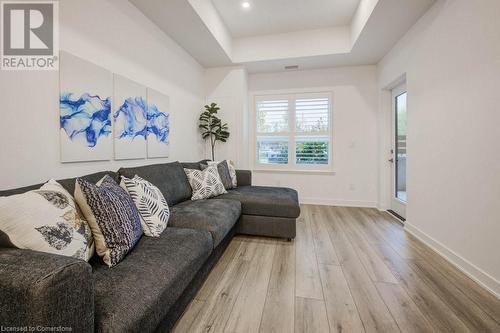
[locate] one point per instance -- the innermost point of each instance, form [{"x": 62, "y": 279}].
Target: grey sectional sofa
[{"x": 151, "y": 287}]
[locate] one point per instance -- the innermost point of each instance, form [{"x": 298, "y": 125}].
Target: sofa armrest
[
  {"x": 244, "y": 177},
  {"x": 47, "y": 290}
]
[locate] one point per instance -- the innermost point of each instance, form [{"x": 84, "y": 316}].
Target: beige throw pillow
[{"x": 46, "y": 220}]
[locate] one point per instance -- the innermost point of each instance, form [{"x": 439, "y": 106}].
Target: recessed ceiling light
[{"x": 245, "y": 4}]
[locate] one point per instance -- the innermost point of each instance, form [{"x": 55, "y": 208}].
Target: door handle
[{"x": 391, "y": 160}]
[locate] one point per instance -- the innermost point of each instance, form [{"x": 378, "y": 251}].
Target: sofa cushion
[
  {"x": 168, "y": 177},
  {"x": 45, "y": 290},
  {"x": 68, "y": 183},
  {"x": 194, "y": 165},
  {"x": 216, "y": 216},
  {"x": 265, "y": 200},
  {"x": 135, "y": 295}
]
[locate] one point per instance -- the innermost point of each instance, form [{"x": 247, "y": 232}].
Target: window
[{"x": 293, "y": 131}]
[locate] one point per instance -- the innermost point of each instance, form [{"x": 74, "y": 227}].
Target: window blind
[
  {"x": 293, "y": 130},
  {"x": 311, "y": 114},
  {"x": 272, "y": 116}
]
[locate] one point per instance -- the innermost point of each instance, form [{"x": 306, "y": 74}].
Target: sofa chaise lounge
[{"x": 149, "y": 290}]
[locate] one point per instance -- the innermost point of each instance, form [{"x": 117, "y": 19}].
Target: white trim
[
  {"x": 475, "y": 273},
  {"x": 292, "y": 91},
  {"x": 382, "y": 208},
  {"x": 337, "y": 202},
  {"x": 396, "y": 82},
  {"x": 400, "y": 201},
  {"x": 304, "y": 172},
  {"x": 397, "y": 205}
]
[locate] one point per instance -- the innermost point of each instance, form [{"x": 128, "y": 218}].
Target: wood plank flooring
[{"x": 348, "y": 270}]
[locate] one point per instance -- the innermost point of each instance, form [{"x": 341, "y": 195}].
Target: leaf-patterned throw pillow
[
  {"x": 205, "y": 183},
  {"x": 232, "y": 171},
  {"x": 224, "y": 174},
  {"x": 151, "y": 204},
  {"x": 46, "y": 220},
  {"x": 112, "y": 216}
]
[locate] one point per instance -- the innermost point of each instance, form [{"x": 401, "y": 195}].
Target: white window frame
[{"x": 292, "y": 134}]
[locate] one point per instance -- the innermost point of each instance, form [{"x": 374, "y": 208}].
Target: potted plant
[{"x": 212, "y": 127}]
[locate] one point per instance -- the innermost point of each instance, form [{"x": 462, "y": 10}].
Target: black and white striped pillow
[{"x": 151, "y": 204}]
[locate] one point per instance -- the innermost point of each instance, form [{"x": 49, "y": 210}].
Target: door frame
[{"x": 397, "y": 205}]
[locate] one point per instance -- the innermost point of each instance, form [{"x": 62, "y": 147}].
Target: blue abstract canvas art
[
  {"x": 130, "y": 119},
  {"x": 85, "y": 118},
  {"x": 100, "y": 111},
  {"x": 85, "y": 110},
  {"x": 158, "y": 124}
]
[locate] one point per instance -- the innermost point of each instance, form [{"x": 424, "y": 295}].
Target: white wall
[
  {"x": 355, "y": 135},
  {"x": 227, "y": 86},
  {"x": 116, "y": 36},
  {"x": 451, "y": 58},
  {"x": 291, "y": 45}
]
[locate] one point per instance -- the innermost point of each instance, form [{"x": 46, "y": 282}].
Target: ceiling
[
  {"x": 178, "y": 20},
  {"x": 307, "y": 33},
  {"x": 278, "y": 16}
]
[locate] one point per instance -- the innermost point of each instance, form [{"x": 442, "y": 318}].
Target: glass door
[{"x": 398, "y": 151}]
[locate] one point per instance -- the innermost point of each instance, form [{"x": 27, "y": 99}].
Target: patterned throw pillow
[
  {"x": 152, "y": 206},
  {"x": 223, "y": 169},
  {"x": 112, "y": 216},
  {"x": 205, "y": 183},
  {"x": 232, "y": 171},
  {"x": 46, "y": 220}
]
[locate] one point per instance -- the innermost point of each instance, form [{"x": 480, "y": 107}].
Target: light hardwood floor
[{"x": 348, "y": 270}]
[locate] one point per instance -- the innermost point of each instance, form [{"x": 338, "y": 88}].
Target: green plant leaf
[{"x": 211, "y": 126}]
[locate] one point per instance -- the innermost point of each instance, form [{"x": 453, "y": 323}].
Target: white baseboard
[
  {"x": 336, "y": 202},
  {"x": 475, "y": 273},
  {"x": 382, "y": 208}
]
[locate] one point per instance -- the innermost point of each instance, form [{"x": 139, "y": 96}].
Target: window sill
[{"x": 303, "y": 172}]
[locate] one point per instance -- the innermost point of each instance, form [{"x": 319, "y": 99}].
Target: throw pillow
[
  {"x": 205, "y": 183},
  {"x": 232, "y": 171},
  {"x": 151, "y": 204},
  {"x": 46, "y": 220},
  {"x": 225, "y": 176},
  {"x": 112, "y": 216}
]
